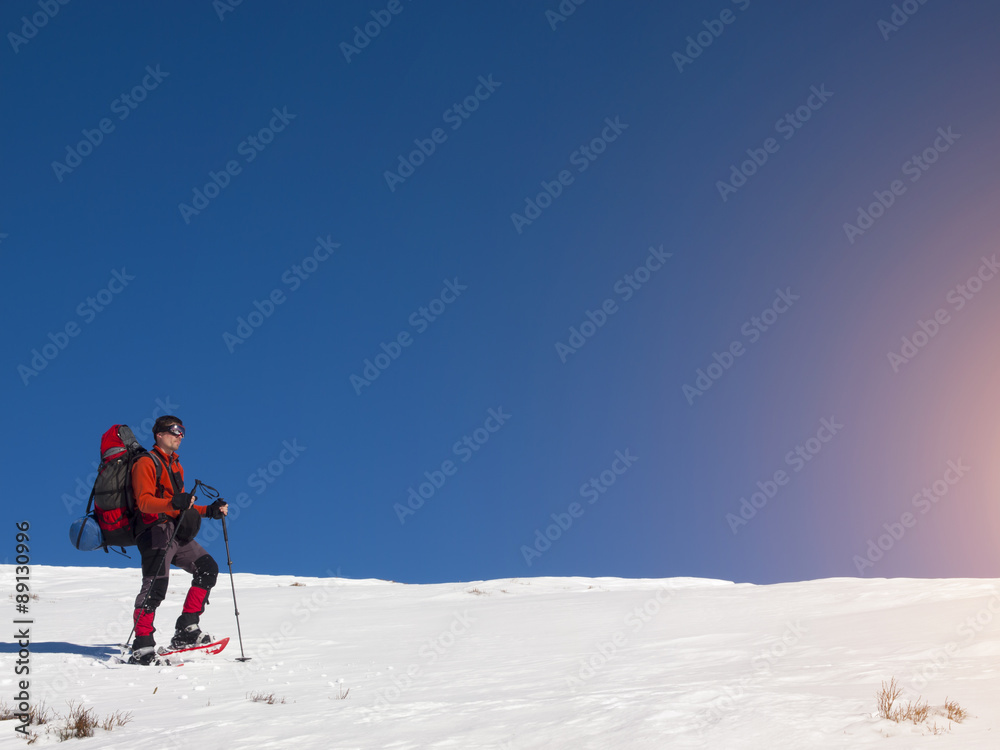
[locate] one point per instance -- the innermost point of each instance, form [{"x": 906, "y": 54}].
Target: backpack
[{"x": 112, "y": 521}]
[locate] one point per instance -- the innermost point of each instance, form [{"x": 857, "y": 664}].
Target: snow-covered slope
[{"x": 522, "y": 663}]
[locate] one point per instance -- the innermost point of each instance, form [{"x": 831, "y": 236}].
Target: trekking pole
[{"x": 229, "y": 558}]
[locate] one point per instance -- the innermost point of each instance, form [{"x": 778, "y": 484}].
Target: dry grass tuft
[
  {"x": 117, "y": 719},
  {"x": 915, "y": 712},
  {"x": 80, "y": 723},
  {"x": 39, "y": 714},
  {"x": 955, "y": 712},
  {"x": 918, "y": 712},
  {"x": 262, "y": 697},
  {"x": 887, "y": 708},
  {"x": 36, "y": 714},
  {"x": 886, "y": 697}
]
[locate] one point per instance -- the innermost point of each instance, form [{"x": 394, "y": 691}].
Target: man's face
[{"x": 168, "y": 440}]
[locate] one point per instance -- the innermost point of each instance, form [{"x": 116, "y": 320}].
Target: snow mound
[{"x": 521, "y": 663}]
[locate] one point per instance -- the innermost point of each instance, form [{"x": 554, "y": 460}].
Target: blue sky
[{"x": 512, "y": 291}]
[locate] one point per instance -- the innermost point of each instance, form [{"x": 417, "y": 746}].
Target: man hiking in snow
[{"x": 165, "y": 529}]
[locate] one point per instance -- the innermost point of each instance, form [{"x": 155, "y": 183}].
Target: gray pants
[{"x": 158, "y": 556}]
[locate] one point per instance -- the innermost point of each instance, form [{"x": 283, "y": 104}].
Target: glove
[
  {"x": 181, "y": 501},
  {"x": 215, "y": 509}
]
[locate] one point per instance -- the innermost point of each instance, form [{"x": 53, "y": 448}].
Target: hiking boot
[
  {"x": 144, "y": 656},
  {"x": 189, "y": 636}
]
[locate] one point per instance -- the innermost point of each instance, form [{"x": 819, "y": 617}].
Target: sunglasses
[{"x": 176, "y": 429}]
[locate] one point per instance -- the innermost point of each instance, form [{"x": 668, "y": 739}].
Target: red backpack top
[{"x": 112, "y": 443}]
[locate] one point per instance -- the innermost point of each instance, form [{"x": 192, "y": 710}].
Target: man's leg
[
  {"x": 193, "y": 558},
  {"x": 155, "y": 575}
]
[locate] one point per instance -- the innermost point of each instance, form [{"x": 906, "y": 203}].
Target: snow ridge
[{"x": 524, "y": 663}]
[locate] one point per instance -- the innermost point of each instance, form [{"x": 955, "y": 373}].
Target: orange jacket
[{"x": 144, "y": 487}]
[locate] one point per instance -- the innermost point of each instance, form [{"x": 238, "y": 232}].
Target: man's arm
[{"x": 144, "y": 489}]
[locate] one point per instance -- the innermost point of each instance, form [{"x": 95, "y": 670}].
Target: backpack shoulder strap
[
  {"x": 156, "y": 474},
  {"x": 160, "y": 468}
]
